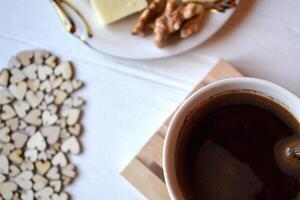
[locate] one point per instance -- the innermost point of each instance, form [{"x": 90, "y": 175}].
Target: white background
[{"x": 127, "y": 100}]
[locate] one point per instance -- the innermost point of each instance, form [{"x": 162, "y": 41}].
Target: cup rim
[{"x": 170, "y": 177}]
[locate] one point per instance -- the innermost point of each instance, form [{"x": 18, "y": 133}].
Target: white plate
[{"x": 116, "y": 39}]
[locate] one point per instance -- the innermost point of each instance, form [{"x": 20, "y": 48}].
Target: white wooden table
[{"x": 127, "y": 100}]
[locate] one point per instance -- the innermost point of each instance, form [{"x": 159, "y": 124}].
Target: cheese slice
[{"x": 109, "y": 11}]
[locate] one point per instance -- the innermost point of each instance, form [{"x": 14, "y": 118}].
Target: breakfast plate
[{"x": 116, "y": 39}]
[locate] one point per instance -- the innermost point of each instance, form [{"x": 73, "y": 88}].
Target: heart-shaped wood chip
[
  {"x": 6, "y": 97},
  {"x": 16, "y": 75},
  {"x": 44, "y": 194},
  {"x": 34, "y": 99},
  {"x": 7, "y": 112},
  {"x": 39, "y": 182},
  {"x": 59, "y": 160},
  {"x": 30, "y": 71},
  {"x": 44, "y": 71},
  {"x": 7, "y": 189},
  {"x": 4, "y": 78},
  {"x": 21, "y": 108},
  {"x": 33, "y": 85},
  {"x": 13, "y": 170},
  {"x": 4, "y": 134},
  {"x": 71, "y": 145},
  {"x": 23, "y": 180},
  {"x": 48, "y": 118},
  {"x": 56, "y": 185},
  {"x": 18, "y": 89},
  {"x": 40, "y": 56},
  {"x": 4, "y": 167},
  {"x": 27, "y": 195},
  {"x": 16, "y": 156},
  {"x": 33, "y": 117},
  {"x": 25, "y": 57},
  {"x": 72, "y": 115},
  {"x": 2, "y": 178},
  {"x": 12, "y": 124},
  {"x": 37, "y": 141},
  {"x": 51, "y": 61},
  {"x": 42, "y": 167},
  {"x": 19, "y": 139},
  {"x": 53, "y": 173},
  {"x": 51, "y": 133},
  {"x": 65, "y": 69}
]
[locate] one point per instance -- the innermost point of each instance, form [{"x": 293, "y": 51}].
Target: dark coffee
[{"x": 226, "y": 150}]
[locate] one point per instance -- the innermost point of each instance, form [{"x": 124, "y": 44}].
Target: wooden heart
[
  {"x": 51, "y": 61},
  {"x": 4, "y": 167},
  {"x": 6, "y": 97},
  {"x": 34, "y": 99},
  {"x": 23, "y": 180},
  {"x": 69, "y": 171},
  {"x": 30, "y": 71},
  {"x": 19, "y": 139},
  {"x": 49, "y": 118},
  {"x": 7, "y": 189},
  {"x": 33, "y": 117},
  {"x": 25, "y": 57},
  {"x": 71, "y": 145},
  {"x": 43, "y": 72},
  {"x": 7, "y": 112},
  {"x": 42, "y": 167},
  {"x": 60, "y": 96},
  {"x": 72, "y": 115},
  {"x": 27, "y": 195},
  {"x": 4, "y": 78},
  {"x": 46, "y": 86},
  {"x": 36, "y": 141},
  {"x": 39, "y": 182},
  {"x": 65, "y": 69},
  {"x": 53, "y": 173},
  {"x": 55, "y": 81},
  {"x": 13, "y": 170},
  {"x": 59, "y": 160},
  {"x": 51, "y": 133},
  {"x": 40, "y": 56},
  {"x": 33, "y": 85},
  {"x": 18, "y": 90},
  {"x": 12, "y": 123},
  {"x": 16, "y": 156},
  {"x": 44, "y": 193},
  {"x": 56, "y": 185},
  {"x": 31, "y": 154},
  {"x": 21, "y": 107},
  {"x": 16, "y": 75},
  {"x": 4, "y": 135}
]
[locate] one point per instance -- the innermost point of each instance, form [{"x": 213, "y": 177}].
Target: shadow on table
[{"x": 238, "y": 17}]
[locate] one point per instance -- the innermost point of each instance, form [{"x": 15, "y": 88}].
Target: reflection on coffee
[{"x": 226, "y": 150}]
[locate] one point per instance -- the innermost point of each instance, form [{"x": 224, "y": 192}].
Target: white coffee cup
[{"x": 277, "y": 93}]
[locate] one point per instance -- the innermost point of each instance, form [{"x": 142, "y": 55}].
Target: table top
[{"x": 129, "y": 99}]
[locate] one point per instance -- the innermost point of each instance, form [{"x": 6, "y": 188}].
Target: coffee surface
[{"x": 228, "y": 154}]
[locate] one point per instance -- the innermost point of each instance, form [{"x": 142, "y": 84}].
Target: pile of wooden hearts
[{"x": 39, "y": 126}]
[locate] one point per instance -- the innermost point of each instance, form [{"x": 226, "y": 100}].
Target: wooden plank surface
[
  {"x": 145, "y": 181},
  {"x": 145, "y": 171}
]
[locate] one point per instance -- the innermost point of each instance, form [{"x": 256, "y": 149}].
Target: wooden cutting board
[{"x": 145, "y": 170}]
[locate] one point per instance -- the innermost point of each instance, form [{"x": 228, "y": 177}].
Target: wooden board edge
[
  {"x": 220, "y": 71},
  {"x": 142, "y": 178}
]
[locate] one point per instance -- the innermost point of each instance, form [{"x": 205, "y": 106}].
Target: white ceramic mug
[{"x": 280, "y": 95}]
